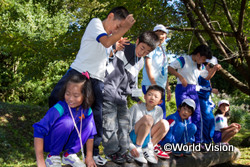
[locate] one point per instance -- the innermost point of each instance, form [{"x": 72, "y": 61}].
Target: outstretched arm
[{"x": 212, "y": 71}]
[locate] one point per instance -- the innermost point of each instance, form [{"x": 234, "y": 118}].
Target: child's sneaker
[
  {"x": 117, "y": 158},
  {"x": 127, "y": 157},
  {"x": 149, "y": 155},
  {"x": 53, "y": 161},
  {"x": 99, "y": 160},
  {"x": 73, "y": 160},
  {"x": 160, "y": 153},
  {"x": 141, "y": 158}
]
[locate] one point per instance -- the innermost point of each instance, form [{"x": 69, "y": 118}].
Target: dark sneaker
[
  {"x": 117, "y": 158},
  {"x": 127, "y": 157}
]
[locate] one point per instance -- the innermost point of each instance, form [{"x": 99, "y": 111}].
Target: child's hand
[
  {"x": 121, "y": 43},
  {"x": 238, "y": 126},
  {"x": 129, "y": 21},
  {"x": 217, "y": 67},
  {"x": 183, "y": 82},
  {"x": 215, "y": 91},
  {"x": 134, "y": 152},
  {"x": 90, "y": 162}
]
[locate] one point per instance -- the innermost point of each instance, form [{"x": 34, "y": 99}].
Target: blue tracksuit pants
[
  {"x": 179, "y": 134},
  {"x": 207, "y": 120}
]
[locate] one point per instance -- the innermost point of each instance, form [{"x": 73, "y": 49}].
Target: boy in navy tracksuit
[{"x": 121, "y": 81}]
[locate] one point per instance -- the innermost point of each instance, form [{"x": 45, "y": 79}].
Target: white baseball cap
[
  {"x": 160, "y": 27},
  {"x": 223, "y": 102},
  {"x": 213, "y": 60},
  {"x": 189, "y": 102}
]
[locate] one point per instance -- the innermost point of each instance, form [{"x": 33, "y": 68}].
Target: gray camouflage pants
[{"x": 115, "y": 128}]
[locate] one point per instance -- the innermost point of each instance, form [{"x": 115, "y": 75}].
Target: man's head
[
  {"x": 154, "y": 95},
  {"x": 161, "y": 31},
  {"x": 146, "y": 43},
  {"x": 115, "y": 18},
  {"x": 186, "y": 109}
]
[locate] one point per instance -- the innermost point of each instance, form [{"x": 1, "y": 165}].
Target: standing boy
[
  {"x": 92, "y": 58},
  {"x": 187, "y": 69},
  {"x": 121, "y": 81},
  {"x": 206, "y": 103},
  {"x": 155, "y": 70},
  {"x": 147, "y": 126}
]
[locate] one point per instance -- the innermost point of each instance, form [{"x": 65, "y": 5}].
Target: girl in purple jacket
[{"x": 67, "y": 126}]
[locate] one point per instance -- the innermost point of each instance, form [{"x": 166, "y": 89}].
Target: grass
[{"x": 16, "y": 135}]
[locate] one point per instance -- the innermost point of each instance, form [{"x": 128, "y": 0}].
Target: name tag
[{"x": 136, "y": 92}]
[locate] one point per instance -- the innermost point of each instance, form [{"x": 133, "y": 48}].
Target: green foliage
[
  {"x": 16, "y": 131},
  {"x": 36, "y": 34}
]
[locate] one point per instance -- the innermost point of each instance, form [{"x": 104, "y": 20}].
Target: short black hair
[
  {"x": 186, "y": 105},
  {"x": 86, "y": 91},
  {"x": 204, "y": 50},
  {"x": 157, "y": 88},
  {"x": 150, "y": 38},
  {"x": 120, "y": 13}
]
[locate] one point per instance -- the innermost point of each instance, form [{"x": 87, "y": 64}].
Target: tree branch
[
  {"x": 194, "y": 25},
  {"x": 229, "y": 34},
  {"x": 242, "y": 11},
  {"x": 234, "y": 81},
  {"x": 228, "y": 15}
]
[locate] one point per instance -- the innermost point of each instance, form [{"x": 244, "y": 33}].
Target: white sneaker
[
  {"x": 99, "y": 160},
  {"x": 149, "y": 155},
  {"x": 73, "y": 160},
  {"x": 141, "y": 158},
  {"x": 53, "y": 161}
]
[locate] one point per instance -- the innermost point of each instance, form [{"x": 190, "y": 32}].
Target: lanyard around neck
[{"x": 78, "y": 132}]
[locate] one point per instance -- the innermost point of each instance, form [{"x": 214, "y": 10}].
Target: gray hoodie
[{"x": 121, "y": 75}]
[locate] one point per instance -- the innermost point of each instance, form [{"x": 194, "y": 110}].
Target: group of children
[{"x": 89, "y": 104}]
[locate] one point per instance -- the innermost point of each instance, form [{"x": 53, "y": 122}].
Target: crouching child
[
  {"x": 181, "y": 129},
  {"x": 147, "y": 126}
]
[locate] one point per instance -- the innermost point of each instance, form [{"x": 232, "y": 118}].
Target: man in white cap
[
  {"x": 206, "y": 103},
  {"x": 155, "y": 71},
  {"x": 181, "y": 129}
]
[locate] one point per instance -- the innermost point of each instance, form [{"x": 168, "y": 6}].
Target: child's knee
[
  {"x": 192, "y": 127},
  {"x": 148, "y": 120},
  {"x": 180, "y": 126},
  {"x": 164, "y": 125}
]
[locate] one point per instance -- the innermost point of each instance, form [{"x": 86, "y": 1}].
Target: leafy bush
[{"x": 34, "y": 90}]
